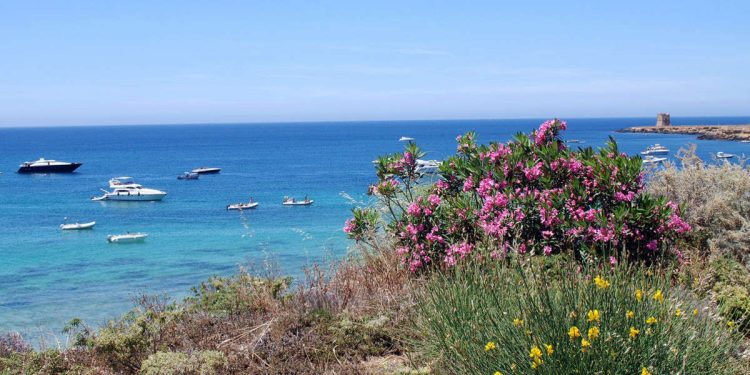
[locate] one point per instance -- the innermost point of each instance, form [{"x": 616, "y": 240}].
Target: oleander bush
[
  {"x": 521, "y": 318},
  {"x": 532, "y": 194}
]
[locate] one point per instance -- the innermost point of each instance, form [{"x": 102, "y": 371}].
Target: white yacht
[
  {"x": 723, "y": 155},
  {"x": 656, "y": 149},
  {"x": 650, "y": 159},
  {"x": 125, "y": 189}
]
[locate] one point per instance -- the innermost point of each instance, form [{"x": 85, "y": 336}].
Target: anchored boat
[
  {"x": 77, "y": 225},
  {"x": 125, "y": 189},
  {"x": 243, "y": 206},
  {"x": 206, "y": 170},
  {"x": 47, "y": 166},
  {"x": 293, "y": 202},
  {"x": 127, "y": 238}
]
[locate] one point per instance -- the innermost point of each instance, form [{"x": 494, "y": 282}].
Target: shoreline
[{"x": 740, "y": 132}]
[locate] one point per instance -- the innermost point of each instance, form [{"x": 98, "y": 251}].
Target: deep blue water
[{"x": 48, "y": 276}]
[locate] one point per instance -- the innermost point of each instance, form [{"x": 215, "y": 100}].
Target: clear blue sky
[{"x": 117, "y": 62}]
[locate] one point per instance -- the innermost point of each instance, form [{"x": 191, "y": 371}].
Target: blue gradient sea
[{"x": 48, "y": 276}]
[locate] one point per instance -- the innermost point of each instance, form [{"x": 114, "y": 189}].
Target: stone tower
[{"x": 662, "y": 119}]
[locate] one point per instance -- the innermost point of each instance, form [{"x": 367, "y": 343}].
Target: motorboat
[
  {"x": 724, "y": 155},
  {"x": 47, "y": 166},
  {"x": 206, "y": 170},
  {"x": 188, "y": 176},
  {"x": 243, "y": 206},
  {"x": 77, "y": 225},
  {"x": 406, "y": 139},
  {"x": 293, "y": 202},
  {"x": 125, "y": 189},
  {"x": 650, "y": 159},
  {"x": 575, "y": 141},
  {"x": 427, "y": 167},
  {"x": 127, "y": 238},
  {"x": 656, "y": 149}
]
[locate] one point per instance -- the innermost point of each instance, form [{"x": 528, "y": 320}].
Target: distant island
[{"x": 738, "y": 132}]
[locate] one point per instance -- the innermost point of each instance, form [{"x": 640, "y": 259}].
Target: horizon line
[{"x": 90, "y": 125}]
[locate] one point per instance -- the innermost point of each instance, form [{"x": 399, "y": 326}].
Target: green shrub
[
  {"x": 241, "y": 292},
  {"x": 489, "y": 317}
]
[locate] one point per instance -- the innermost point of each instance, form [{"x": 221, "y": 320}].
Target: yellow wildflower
[
  {"x": 730, "y": 324},
  {"x": 497, "y": 373},
  {"x": 695, "y": 312},
  {"x": 658, "y": 296},
  {"x": 678, "y": 313},
  {"x": 534, "y": 365},
  {"x": 593, "y": 315},
  {"x": 573, "y": 332},
  {"x": 585, "y": 345},
  {"x": 601, "y": 283},
  {"x": 489, "y": 346},
  {"x": 634, "y": 333},
  {"x": 644, "y": 371},
  {"x": 638, "y": 294},
  {"x": 593, "y": 333},
  {"x": 651, "y": 320},
  {"x": 550, "y": 349},
  {"x": 630, "y": 314},
  {"x": 536, "y": 355},
  {"x": 518, "y": 322}
]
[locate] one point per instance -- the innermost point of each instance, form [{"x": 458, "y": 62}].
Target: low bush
[{"x": 517, "y": 318}]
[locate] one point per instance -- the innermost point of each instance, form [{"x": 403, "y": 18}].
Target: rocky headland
[{"x": 723, "y": 132}]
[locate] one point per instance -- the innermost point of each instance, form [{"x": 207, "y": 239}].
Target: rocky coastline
[{"x": 720, "y": 132}]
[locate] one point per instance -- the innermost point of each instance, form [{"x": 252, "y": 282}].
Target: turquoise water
[{"x": 48, "y": 276}]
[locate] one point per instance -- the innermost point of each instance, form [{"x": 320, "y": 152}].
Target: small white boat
[
  {"x": 127, "y": 238},
  {"x": 406, "y": 139},
  {"x": 206, "y": 170},
  {"x": 124, "y": 189},
  {"x": 723, "y": 155},
  {"x": 653, "y": 160},
  {"x": 745, "y": 141},
  {"x": 243, "y": 206},
  {"x": 575, "y": 141},
  {"x": 77, "y": 226},
  {"x": 656, "y": 149},
  {"x": 293, "y": 202}
]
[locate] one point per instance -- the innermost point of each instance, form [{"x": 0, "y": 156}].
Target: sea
[{"x": 49, "y": 276}]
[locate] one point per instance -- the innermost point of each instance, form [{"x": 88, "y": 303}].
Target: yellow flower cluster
[
  {"x": 678, "y": 313},
  {"x": 638, "y": 295},
  {"x": 651, "y": 320},
  {"x": 634, "y": 333},
  {"x": 518, "y": 322},
  {"x": 593, "y": 316},
  {"x": 601, "y": 283},
  {"x": 497, "y": 373},
  {"x": 574, "y": 332},
  {"x": 550, "y": 349},
  {"x": 593, "y": 333},
  {"x": 630, "y": 314},
  {"x": 536, "y": 357},
  {"x": 585, "y": 345},
  {"x": 489, "y": 346},
  {"x": 645, "y": 371}
]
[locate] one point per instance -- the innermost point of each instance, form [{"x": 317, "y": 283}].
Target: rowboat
[
  {"x": 127, "y": 238},
  {"x": 78, "y": 226}
]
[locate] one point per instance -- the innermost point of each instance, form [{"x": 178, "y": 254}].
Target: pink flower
[
  {"x": 547, "y": 250},
  {"x": 349, "y": 226},
  {"x": 651, "y": 245},
  {"x": 434, "y": 200},
  {"x": 534, "y": 172},
  {"x": 612, "y": 261},
  {"x": 413, "y": 209},
  {"x": 468, "y": 184}
]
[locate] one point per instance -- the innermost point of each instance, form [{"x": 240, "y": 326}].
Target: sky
[{"x": 153, "y": 62}]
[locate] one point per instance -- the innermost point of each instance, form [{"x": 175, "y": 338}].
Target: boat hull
[
  {"x": 81, "y": 226},
  {"x": 122, "y": 239},
  {"x": 207, "y": 171},
  {"x": 298, "y": 203},
  {"x": 66, "y": 168},
  {"x": 135, "y": 197}
]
